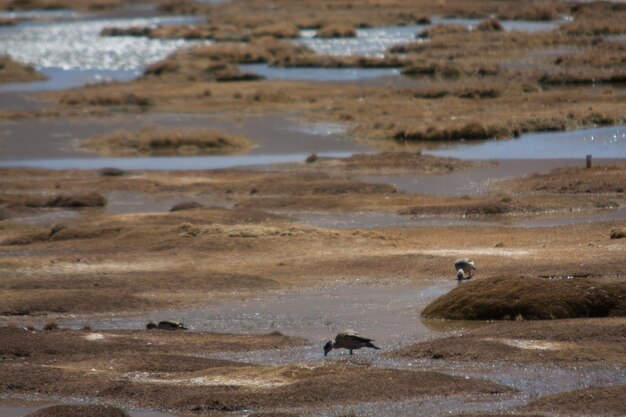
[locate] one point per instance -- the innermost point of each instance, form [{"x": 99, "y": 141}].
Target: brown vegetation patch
[
  {"x": 469, "y": 131},
  {"x": 127, "y": 31},
  {"x": 592, "y": 401},
  {"x": 177, "y": 68},
  {"x": 15, "y": 72},
  {"x": 77, "y": 200},
  {"x": 386, "y": 163},
  {"x": 163, "y": 141},
  {"x": 570, "y": 341},
  {"x": 277, "y": 30},
  {"x": 135, "y": 351},
  {"x": 618, "y": 233},
  {"x": 530, "y": 298},
  {"x": 602, "y": 54},
  {"x": 490, "y": 25},
  {"x": 596, "y": 180},
  {"x": 464, "y": 89},
  {"x": 111, "y": 172},
  {"x": 83, "y": 97},
  {"x": 584, "y": 77},
  {"x": 597, "y": 19},
  {"x": 186, "y": 205},
  {"x": 477, "y": 206},
  {"x": 336, "y": 30},
  {"x": 25, "y": 303},
  {"x": 85, "y": 410}
]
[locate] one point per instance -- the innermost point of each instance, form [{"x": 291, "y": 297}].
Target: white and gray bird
[
  {"x": 349, "y": 340},
  {"x": 464, "y": 268}
]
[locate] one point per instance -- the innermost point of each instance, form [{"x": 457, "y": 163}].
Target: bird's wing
[{"x": 354, "y": 336}]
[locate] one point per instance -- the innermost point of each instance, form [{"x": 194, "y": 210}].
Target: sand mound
[{"x": 530, "y": 298}]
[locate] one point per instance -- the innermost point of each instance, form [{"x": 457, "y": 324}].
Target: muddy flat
[{"x": 271, "y": 175}]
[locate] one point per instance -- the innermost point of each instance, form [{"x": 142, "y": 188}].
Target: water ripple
[{"x": 79, "y": 46}]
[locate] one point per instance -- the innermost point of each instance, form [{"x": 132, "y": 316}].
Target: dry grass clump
[
  {"x": 111, "y": 172},
  {"x": 51, "y": 325},
  {"x": 618, "y": 233},
  {"x": 83, "y": 410},
  {"x": 472, "y": 89},
  {"x": 584, "y": 77},
  {"x": 596, "y": 180},
  {"x": 186, "y": 205},
  {"x": 473, "y": 207},
  {"x": 531, "y": 298},
  {"x": 13, "y": 72},
  {"x": 89, "y": 199},
  {"x": 182, "y": 67},
  {"x": 159, "y": 141},
  {"x": 139, "y": 31},
  {"x": 76, "y": 200},
  {"x": 277, "y": 30},
  {"x": 195, "y": 32},
  {"x": 328, "y": 61},
  {"x": 490, "y": 25},
  {"x": 336, "y": 30},
  {"x": 104, "y": 97},
  {"x": 468, "y": 131},
  {"x": 449, "y": 69}
]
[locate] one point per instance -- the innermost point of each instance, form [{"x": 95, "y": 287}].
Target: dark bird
[
  {"x": 166, "y": 325},
  {"x": 349, "y": 340},
  {"x": 464, "y": 268}
]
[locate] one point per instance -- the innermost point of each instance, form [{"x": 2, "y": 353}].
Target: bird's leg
[{"x": 350, "y": 351}]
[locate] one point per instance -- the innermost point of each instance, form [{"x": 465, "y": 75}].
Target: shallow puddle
[
  {"x": 53, "y": 143},
  {"x": 390, "y": 315},
  {"x": 318, "y": 74},
  {"x": 601, "y": 142}
]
